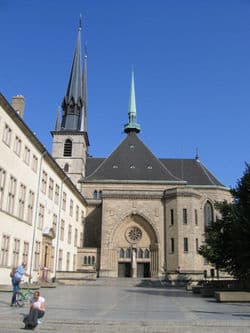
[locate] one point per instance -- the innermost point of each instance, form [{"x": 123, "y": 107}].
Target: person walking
[
  {"x": 16, "y": 278},
  {"x": 37, "y": 311}
]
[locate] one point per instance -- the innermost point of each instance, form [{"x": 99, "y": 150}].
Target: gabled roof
[
  {"x": 133, "y": 161},
  {"x": 130, "y": 161},
  {"x": 191, "y": 170}
]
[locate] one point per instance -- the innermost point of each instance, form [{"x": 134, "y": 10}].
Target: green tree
[{"x": 227, "y": 241}]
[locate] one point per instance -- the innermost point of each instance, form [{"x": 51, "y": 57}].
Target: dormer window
[
  {"x": 149, "y": 167},
  {"x": 132, "y": 166},
  {"x": 115, "y": 166}
]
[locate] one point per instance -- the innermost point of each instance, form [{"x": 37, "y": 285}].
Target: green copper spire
[{"x": 132, "y": 125}]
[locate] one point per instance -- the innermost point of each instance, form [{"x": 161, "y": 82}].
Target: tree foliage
[{"x": 227, "y": 241}]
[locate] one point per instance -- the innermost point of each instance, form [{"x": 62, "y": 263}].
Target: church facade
[
  {"x": 146, "y": 217},
  {"x": 130, "y": 214}
]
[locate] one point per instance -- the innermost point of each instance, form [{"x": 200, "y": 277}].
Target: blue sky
[{"x": 192, "y": 73}]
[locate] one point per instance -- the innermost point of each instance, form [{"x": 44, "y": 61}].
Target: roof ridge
[{"x": 206, "y": 172}]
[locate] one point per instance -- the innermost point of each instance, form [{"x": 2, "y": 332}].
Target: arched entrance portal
[{"x": 136, "y": 246}]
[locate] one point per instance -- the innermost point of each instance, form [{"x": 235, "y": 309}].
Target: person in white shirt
[{"x": 37, "y": 311}]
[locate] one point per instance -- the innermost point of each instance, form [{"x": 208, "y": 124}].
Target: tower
[{"x": 70, "y": 137}]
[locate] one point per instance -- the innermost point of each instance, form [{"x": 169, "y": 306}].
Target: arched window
[
  {"x": 93, "y": 260},
  {"x": 208, "y": 215},
  {"x": 140, "y": 253},
  {"x": 66, "y": 167},
  {"x": 121, "y": 254},
  {"x": 146, "y": 253},
  {"x": 100, "y": 194},
  {"x": 67, "y": 148},
  {"x": 128, "y": 253},
  {"x": 85, "y": 260},
  {"x": 89, "y": 260},
  {"x": 95, "y": 194}
]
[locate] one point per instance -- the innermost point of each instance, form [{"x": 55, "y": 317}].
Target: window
[
  {"x": 64, "y": 201},
  {"x": 146, "y": 253},
  {"x": 208, "y": 215},
  {"x": 67, "y": 148},
  {"x": 85, "y": 260},
  {"x": 51, "y": 188},
  {"x": 184, "y": 216},
  {"x": 34, "y": 163},
  {"x": 140, "y": 253},
  {"x": 66, "y": 167},
  {"x": 44, "y": 182},
  {"x": 5, "y": 250},
  {"x": 57, "y": 189},
  {"x": 172, "y": 245},
  {"x": 69, "y": 233},
  {"x": 22, "y": 195},
  {"x": 31, "y": 200},
  {"x": 95, "y": 194},
  {"x": 196, "y": 217},
  {"x": 171, "y": 216},
  {"x": 76, "y": 237},
  {"x": 11, "y": 195},
  {"x": 7, "y": 135},
  {"x": 121, "y": 254},
  {"x": 67, "y": 261},
  {"x": 74, "y": 262},
  {"x": 25, "y": 251},
  {"x": 77, "y": 213},
  {"x": 17, "y": 145},
  {"x": 185, "y": 245},
  {"x": 60, "y": 258},
  {"x": 128, "y": 253},
  {"x": 37, "y": 256},
  {"x": 62, "y": 230},
  {"x": 41, "y": 217},
  {"x": 26, "y": 156},
  {"x": 2, "y": 185},
  {"x": 71, "y": 207},
  {"x": 197, "y": 244},
  {"x": 16, "y": 251},
  {"x": 93, "y": 260},
  {"x": 54, "y": 223}
]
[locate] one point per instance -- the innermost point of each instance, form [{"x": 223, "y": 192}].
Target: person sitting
[{"x": 37, "y": 311}]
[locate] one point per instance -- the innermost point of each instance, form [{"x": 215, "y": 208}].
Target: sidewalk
[{"x": 102, "y": 309}]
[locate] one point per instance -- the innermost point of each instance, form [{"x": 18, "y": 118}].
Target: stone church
[{"x": 145, "y": 216}]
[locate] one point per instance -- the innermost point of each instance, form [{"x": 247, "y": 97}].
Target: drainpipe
[
  {"x": 36, "y": 211},
  {"x": 58, "y": 227}
]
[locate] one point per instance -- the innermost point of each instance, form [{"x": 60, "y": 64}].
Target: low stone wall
[
  {"x": 232, "y": 296},
  {"x": 75, "y": 278}
]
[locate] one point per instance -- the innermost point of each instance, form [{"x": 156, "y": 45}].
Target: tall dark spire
[
  {"x": 73, "y": 100},
  {"x": 132, "y": 125},
  {"x": 84, "y": 94}
]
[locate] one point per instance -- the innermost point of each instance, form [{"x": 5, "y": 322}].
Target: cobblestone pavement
[{"x": 102, "y": 309}]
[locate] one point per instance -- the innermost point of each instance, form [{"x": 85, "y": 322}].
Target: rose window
[{"x": 133, "y": 234}]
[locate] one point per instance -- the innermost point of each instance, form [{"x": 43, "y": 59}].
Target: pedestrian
[
  {"x": 16, "y": 278},
  {"x": 37, "y": 311}
]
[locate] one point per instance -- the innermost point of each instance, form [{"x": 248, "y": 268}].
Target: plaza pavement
[{"x": 128, "y": 309}]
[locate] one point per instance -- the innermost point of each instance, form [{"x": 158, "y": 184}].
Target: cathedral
[{"x": 132, "y": 214}]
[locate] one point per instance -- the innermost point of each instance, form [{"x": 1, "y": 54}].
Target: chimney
[{"x": 18, "y": 104}]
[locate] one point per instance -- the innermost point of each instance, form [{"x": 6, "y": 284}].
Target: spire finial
[
  {"x": 80, "y": 22},
  {"x": 132, "y": 126},
  {"x": 197, "y": 154}
]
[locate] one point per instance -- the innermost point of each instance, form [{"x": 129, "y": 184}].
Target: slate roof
[{"x": 133, "y": 161}]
